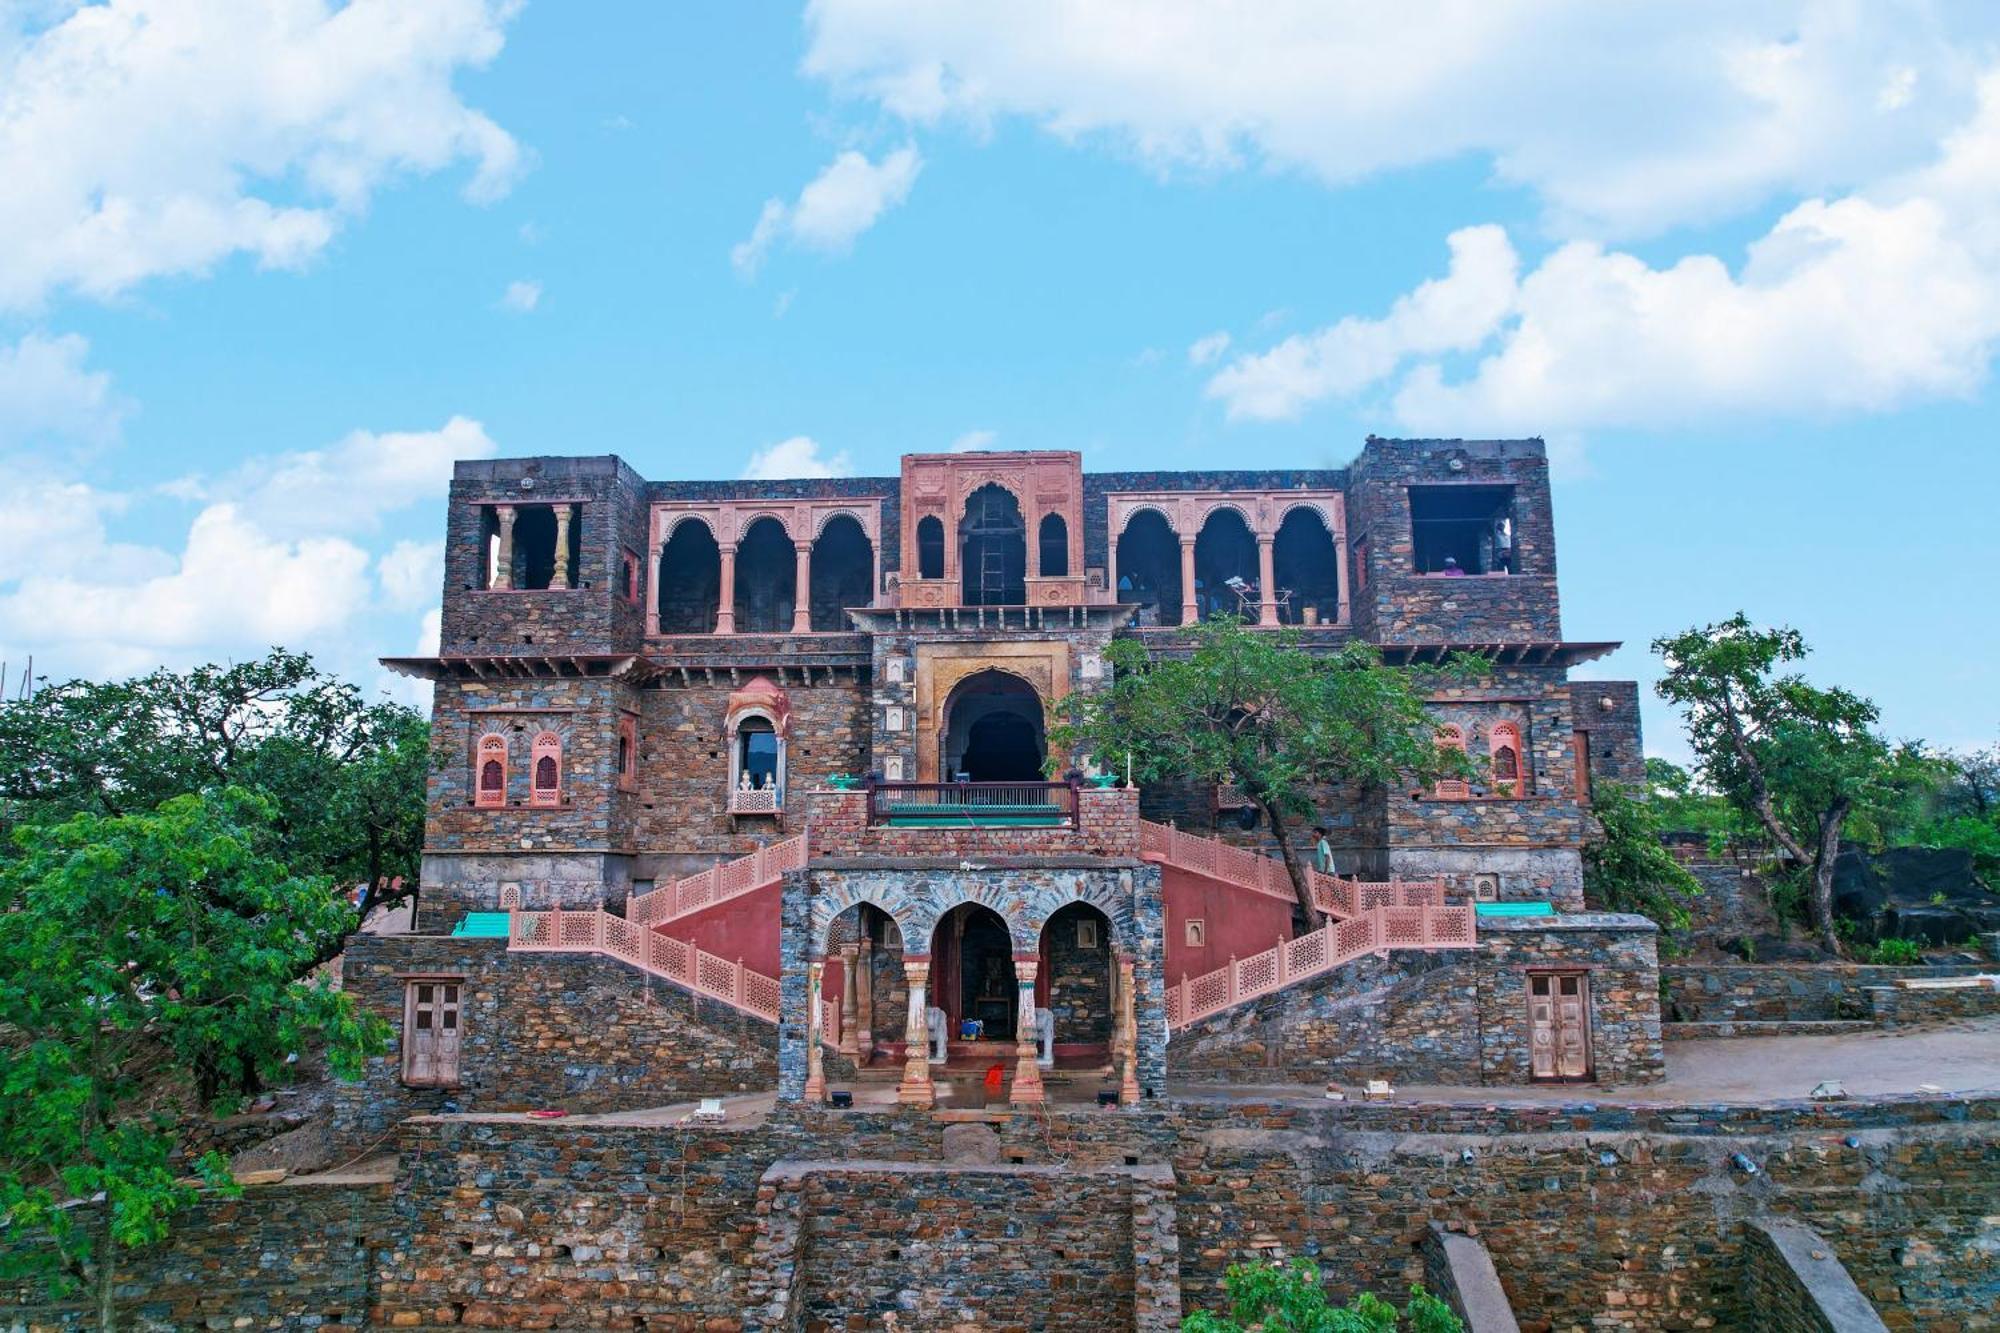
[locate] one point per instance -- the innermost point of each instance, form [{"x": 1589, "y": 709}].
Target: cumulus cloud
[
  {"x": 411, "y": 574},
  {"x": 47, "y": 396},
  {"x": 350, "y": 485},
  {"x": 798, "y": 456},
  {"x": 840, "y": 203},
  {"x": 1861, "y": 302},
  {"x": 147, "y": 137},
  {"x": 1208, "y": 350},
  {"x": 1621, "y": 123},
  {"x": 521, "y": 296}
]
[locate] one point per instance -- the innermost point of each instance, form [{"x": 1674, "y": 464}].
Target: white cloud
[
  {"x": 233, "y": 585},
  {"x": 1207, "y": 350},
  {"x": 349, "y": 486},
  {"x": 798, "y": 456},
  {"x": 1624, "y": 120},
  {"x": 840, "y": 203},
  {"x": 1861, "y": 302},
  {"x": 521, "y": 296},
  {"x": 973, "y": 440},
  {"x": 411, "y": 573},
  {"x": 148, "y": 137},
  {"x": 46, "y": 395}
]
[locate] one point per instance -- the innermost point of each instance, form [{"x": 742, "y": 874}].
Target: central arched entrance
[
  {"x": 994, "y": 730},
  {"x": 972, "y": 971}
]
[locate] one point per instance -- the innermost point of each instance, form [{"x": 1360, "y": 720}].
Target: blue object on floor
[{"x": 482, "y": 925}]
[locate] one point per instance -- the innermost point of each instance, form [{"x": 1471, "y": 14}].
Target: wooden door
[
  {"x": 1559, "y": 1025},
  {"x": 1582, "y": 745}
]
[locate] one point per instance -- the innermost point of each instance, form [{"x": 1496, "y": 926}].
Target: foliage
[
  {"x": 1684, "y": 805},
  {"x": 170, "y": 936},
  {"x": 1625, "y": 866},
  {"x": 1233, "y": 705},
  {"x": 1894, "y": 952},
  {"x": 344, "y": 777},
  {"x": 1963, "y": 812},
  {"x": 1800, "y": 760},
  {"x": 1280, "y": 1298}
]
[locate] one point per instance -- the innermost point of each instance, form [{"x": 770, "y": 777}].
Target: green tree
[
  {"x": 1288, "y": 1298},
  {"x": 345, "y": 777},
  {"x": 1804, "y": 762},
  {"x": 1964, "y": 811},
  {"x": 1234, "y": 705},
  {"x": 1626, "y": 868},
  {"x": 135, "y": 943},
  {"x": 1685, "y": 805}
]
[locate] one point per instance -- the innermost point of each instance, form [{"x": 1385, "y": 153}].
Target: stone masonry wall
[
  {"x": 579, "y": 1031},
  {"x": 1783, "y": 992},
  {"x": 1896, "y": 1006},
  {"x": 1796, "y": 1285},
  {"x": 1107, "y": 825}
]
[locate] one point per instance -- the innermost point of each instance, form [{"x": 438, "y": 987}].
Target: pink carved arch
[
  {"x": 490, "y": 771},
  {"x": 1450, "y": 736},
  {"x": 545, "y": 760}
]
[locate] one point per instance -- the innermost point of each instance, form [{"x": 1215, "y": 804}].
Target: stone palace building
[{"x": 757, "y": 772}]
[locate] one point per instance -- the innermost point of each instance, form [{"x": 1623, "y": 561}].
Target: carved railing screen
[
  {"x": 717, "y": 884},
  {"x": 1245, "y": 869},
  {"x": 1375, "y": 931}
]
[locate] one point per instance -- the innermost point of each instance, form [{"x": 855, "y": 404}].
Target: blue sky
[{"x": 276, "y": 263}]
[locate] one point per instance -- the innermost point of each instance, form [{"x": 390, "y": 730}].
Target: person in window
[
  {"x": 1323, "y": 852},
  {"x": 1451, "y": 569}
]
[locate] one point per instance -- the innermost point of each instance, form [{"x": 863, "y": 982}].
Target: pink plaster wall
[
  {"x": 744, "y": 929},
  {"x": 1240, "y": 923}
]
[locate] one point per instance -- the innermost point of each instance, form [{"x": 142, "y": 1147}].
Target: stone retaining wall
[
  {"x": 1899, "y": 1006},
  {"x": 1793, "y": 1281},
  {"x": 1782, "y": 992}
]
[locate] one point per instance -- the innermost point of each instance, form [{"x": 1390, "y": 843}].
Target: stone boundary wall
[
  {"x": 1793, "y": 1281},
  {"x": 1446, "y": 1018},
  {"x": 1899, "y": 1006},
  {"x": 578, "y": 1031},
  {"x": 1783, "y": 992},
  {"x": 1107, "y": 825},
  {"x": 862, "y": 1243}
]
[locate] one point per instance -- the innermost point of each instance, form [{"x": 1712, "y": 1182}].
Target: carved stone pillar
[
  {"x": 850, "y": 1007},
  {"x": 815, "y": 1033},
  {"x": 864, "y": 1037},
  {"x": 725, "y": 604},
  {"x": 1128, "y": 1035},
  {"x": 1027, "y": 1074},
  {"x": 802, "y": 593},
  {"x": 560, "y": 578},
  {"x": 1190, "y": 609},
  {"x": 1267, "y": 579},
  {"x": 503, "y": 564},
  {"x": 1340, "y": 566},
  {"x": 915, "y": 1089}
]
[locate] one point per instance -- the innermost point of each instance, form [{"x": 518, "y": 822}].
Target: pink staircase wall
[{"x": 1239, "y": 923}]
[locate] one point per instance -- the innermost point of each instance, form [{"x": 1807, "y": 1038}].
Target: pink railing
[
  {"x": 592, "y": 930},
  {"x": 1341, "y": 898},
  {"x": 718, "y": 883},
  {"x": 1377, "y": 930}
]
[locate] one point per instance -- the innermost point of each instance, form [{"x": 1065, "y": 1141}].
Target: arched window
[
  {"x": 1451, "y": 738},
  {"x": 1054, "y": 540},
  {"x": 1508, "y": 777},
  {"x": 628, "y": 752},
  {"x": 930, "y": 547},
  {"x": 547, "y": 758},
  {"x": 491, "y": 765}
]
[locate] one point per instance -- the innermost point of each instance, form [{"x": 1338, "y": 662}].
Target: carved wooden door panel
[{"x": 1559, "y": 1025}]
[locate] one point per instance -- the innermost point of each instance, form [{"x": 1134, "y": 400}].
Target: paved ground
[{"x": 1962, "y": 1057}]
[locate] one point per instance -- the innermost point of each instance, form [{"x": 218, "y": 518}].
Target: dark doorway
[
  {"x": 1304, "y": 562},
  {"x": 973, "y": 961},
  {"x": 690, "y": 580},
  {"x": 1149, "y": 569},
  {"x": 993, "y": 730},
  {"x": 843, "y": 573},
  {"x": 767, "y": 576},
  {"x": 1225, "y": 550},
  {"x": 1074, "y": 980},
  {"x": 993, "y": 539}
]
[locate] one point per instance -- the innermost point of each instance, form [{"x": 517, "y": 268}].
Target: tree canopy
[
  {"x": 168, "y": 938},
  {"x": 344, "y": 776},
  {"x": 1804, "y": 762},
  {"x": 1233, "y": 705},
  {"x": 1626, "y": 868}
]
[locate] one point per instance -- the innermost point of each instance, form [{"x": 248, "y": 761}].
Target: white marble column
[
  {"x": 815, "y": 1033},
  {"x": 1028, "y": 1089},
  {"x": 915, "y": 1089},
  {"x": 503, "y": 565},
  {"x": 560, "y": 578}
]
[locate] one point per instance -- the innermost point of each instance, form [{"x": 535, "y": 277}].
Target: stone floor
[{"x": 1957, "y": 1058}]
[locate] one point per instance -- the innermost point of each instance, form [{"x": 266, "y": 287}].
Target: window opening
[
  {"x": 1451, "y": 738},
  {"x": 689, "y": 586},
  {"x": 1149, "y": 569},
  {"x": 1054, "y": 553},
  {"x": 1462, "y": 529},
  {"x": 491, "y": 760},
  {"x": 993, "y": 536},
  {"x": 843, "y": 573},
  {"x": 1225, "y": 568},
  {"x": 1307, "y": 568},
  {"x": 930, "y": 547},
  {"x": 767, "y": 574},
  {"x": 547, "y": 752}
]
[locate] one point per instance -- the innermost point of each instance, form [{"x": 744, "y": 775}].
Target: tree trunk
[
  {"x": 1308, "y": 910},
  {"x": 1824, "y": 856}
]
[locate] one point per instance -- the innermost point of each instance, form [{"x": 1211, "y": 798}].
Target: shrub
[{"x": 1288, "y": 1298}]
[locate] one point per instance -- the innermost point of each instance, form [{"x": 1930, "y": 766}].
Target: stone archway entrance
[
  {"x": 972, "y": 971},
  {"x": 994, "y": 730}
]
